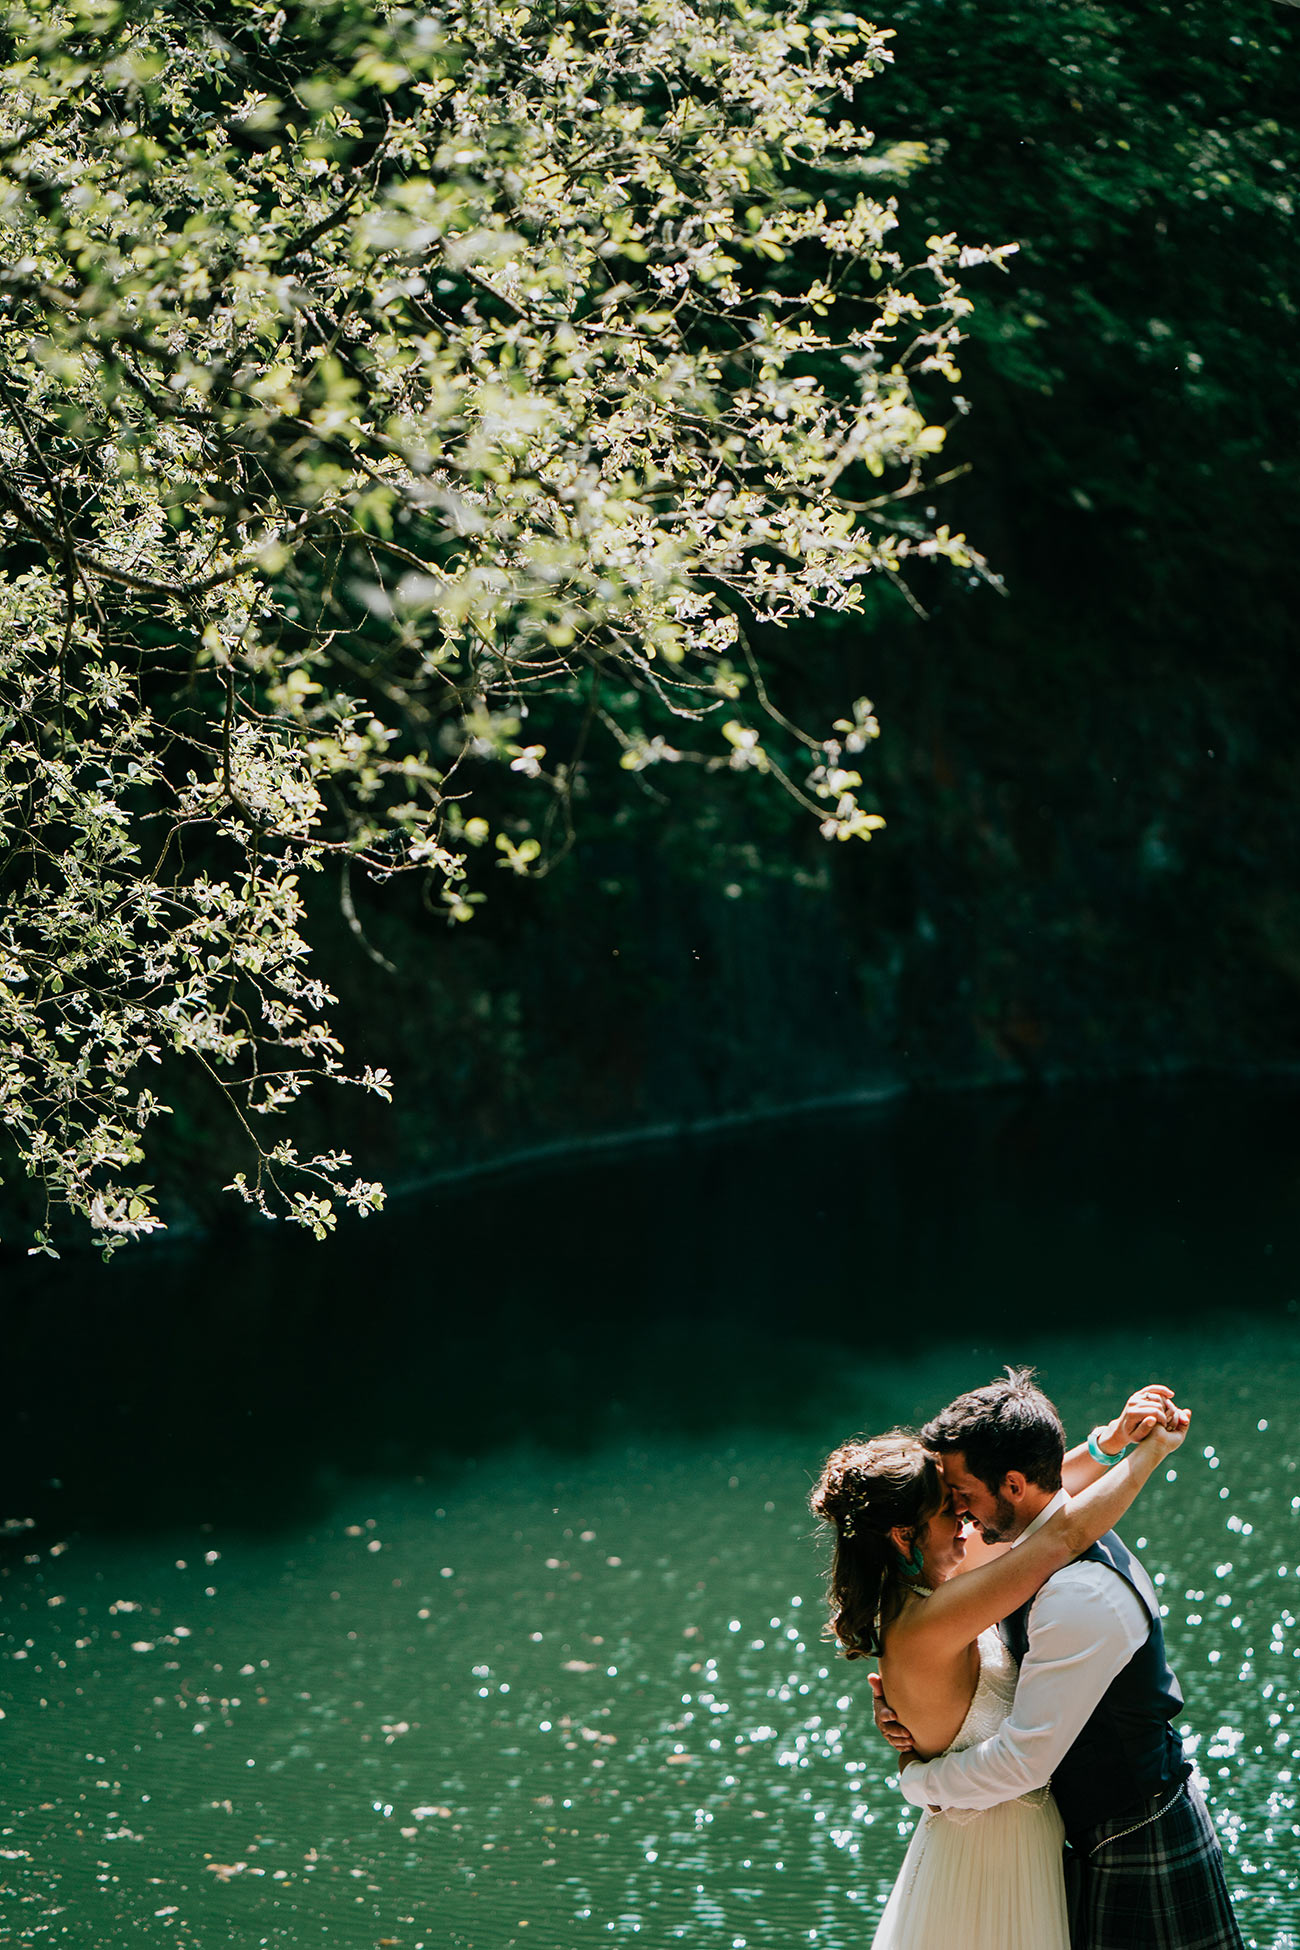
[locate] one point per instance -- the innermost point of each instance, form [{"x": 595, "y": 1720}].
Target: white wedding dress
[{"x": 987, "y": 1879}]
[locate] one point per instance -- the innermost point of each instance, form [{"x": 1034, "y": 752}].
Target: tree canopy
[{"x": 368, "y": 376}]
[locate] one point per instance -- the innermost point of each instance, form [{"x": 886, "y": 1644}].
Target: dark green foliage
[
  {"x": 1138, "y": 376},
  {"x": 1104, "y": 761}
]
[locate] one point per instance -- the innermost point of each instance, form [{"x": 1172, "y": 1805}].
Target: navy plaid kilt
[{"x": 1158, "y": 1886}]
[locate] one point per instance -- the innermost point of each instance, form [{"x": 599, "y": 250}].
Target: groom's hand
[
  {"x": 1147, "y": 1408},
  {"x": 887, "y": 1721}
]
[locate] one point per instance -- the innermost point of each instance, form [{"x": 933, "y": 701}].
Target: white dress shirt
[{"x": 1084, "y": 1626}]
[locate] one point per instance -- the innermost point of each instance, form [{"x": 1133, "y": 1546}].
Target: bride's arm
[
  {"x": 1136, "y": 1419},
  {"x": 960, "y": 1610}
]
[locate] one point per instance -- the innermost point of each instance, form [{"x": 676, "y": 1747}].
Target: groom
[{"x": 1095, "y": 1701}]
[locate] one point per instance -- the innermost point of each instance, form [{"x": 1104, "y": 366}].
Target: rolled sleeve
[{"x": 1085, "y": 1626}]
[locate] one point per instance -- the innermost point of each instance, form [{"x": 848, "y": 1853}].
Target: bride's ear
[{"x": 904, "y": 1541}]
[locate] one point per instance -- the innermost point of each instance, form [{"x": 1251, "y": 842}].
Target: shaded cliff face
[{"x": 1088, "y": 871}]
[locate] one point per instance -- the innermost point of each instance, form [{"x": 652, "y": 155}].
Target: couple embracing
[{"x": 1035, "y": 1683}]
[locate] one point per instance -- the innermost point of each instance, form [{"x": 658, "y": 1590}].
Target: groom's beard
[{"x": 1003, "y": 1527}]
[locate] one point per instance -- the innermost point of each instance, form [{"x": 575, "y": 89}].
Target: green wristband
[{"x": 1098, "y": 1454}]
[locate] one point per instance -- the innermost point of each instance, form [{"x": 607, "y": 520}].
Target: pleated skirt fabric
[{"x": 987, "y": 1881}]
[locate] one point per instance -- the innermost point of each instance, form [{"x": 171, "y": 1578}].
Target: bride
[{"x": 981, "y": 1880}]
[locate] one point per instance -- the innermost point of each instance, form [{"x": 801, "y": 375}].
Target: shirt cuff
[{"x": 914, "y": 1782}]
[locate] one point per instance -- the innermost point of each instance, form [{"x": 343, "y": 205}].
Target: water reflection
[
  {"x": 684, "y": 1290},
  {"x": 541, "y": 1707},
  {"x": 562, "y": 1681}
]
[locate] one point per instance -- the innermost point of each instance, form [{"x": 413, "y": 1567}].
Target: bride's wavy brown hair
[{"x": 866, "y": 1490}]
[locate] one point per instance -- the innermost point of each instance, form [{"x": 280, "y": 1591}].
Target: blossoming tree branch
[{"x": 368, "y": 373}]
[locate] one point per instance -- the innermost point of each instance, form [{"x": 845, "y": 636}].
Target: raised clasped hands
[
  {"x": 1149, "y": 1409},
  {"x": 1169, "y": 1435}
]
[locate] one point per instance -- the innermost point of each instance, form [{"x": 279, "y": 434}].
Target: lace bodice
[{"x": 993, "y": 1694}]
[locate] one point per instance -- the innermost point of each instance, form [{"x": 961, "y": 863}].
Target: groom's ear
[{"x": 1014, "y": 1485}]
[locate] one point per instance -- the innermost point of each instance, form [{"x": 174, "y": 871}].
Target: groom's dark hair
[{"x": 1010, "y": 1424}]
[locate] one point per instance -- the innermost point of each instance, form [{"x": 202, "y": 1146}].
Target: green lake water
[{"x": 455, "y": 1586}]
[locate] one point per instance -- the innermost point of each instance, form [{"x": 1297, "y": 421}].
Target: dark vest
[{"x": 1128, "y": 1750}]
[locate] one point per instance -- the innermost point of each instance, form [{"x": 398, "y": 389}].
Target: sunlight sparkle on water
[{"x": 608, "y": 1730}]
